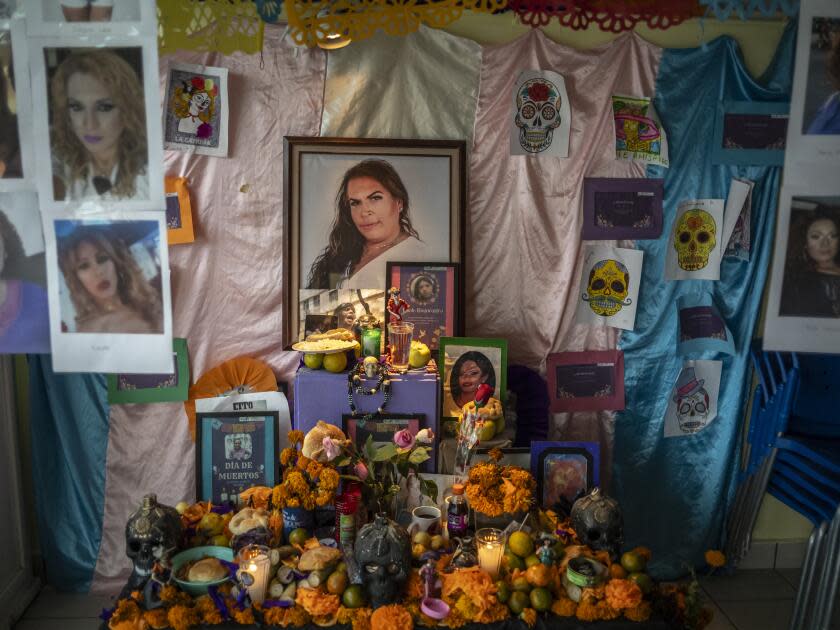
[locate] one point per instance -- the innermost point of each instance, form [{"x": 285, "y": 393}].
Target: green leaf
[
  {"x": 384, "y": 453},
  {"x": 344, "y": 461},
  {"x": 418, "y": 455},
  {"x": 429, "y": 488}
]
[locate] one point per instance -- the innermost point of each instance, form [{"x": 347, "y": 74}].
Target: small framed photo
[
  {"x": 86, "y": 17},
  {"x": 565, "y": 471},
  {"x": 95, "y": 123},
  {"x": 353, "y": 205},
  {"x": 17, "y": 159},
  {"x": 435, "y": 298},
  {"x": 465, "y": 363},
  {"x": 586, "y": 381},
  {"x": 511, "y": 456},
  {"x": 621, "y": 208},
  {"x": 179, "y": 223},
  {"x": 234, "y": 451},
  {"x": 151, "y": 388},
  {"x": 803, "y": 309},
  {"x": 381, "y": 430},
  {"x": 750, "y": 132},
  {"x": 196, "y": 110}
]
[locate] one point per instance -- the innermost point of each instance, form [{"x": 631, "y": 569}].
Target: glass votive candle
[
  {"x": 254, "y": 566},
  {"x": 371, "y": 342},
  {"x": 491, "y": 547}
]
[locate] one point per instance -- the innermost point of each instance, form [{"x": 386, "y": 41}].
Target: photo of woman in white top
[{"x": 98, "y": 130}]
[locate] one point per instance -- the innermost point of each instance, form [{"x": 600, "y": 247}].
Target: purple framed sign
[
  {"x": 586, "y": 381},
  {"x": 621, "y": 208}
]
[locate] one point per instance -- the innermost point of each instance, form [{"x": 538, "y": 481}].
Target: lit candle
[
  {"x": 254, "y": 565},
  {"x": 491, "y": 546},
  {"x": 371, "y": 341}
]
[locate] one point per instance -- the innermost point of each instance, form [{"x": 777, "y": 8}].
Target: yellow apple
[{"x": 419, "y": 355}]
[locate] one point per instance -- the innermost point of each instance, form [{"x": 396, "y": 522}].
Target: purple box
[{"x": 322, "y": 395}]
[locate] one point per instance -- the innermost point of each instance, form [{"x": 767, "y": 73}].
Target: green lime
[
  {"x": 518, "y": 602},
  {"x": 313, "y": 360},
  {"x": 512, "y": 561},
  {"x": 632, "y": 562},
  {"x": 337, "y": 582},
  {"x": 531, "y": 561},
  {"x": 502, "y": 591},
  {"x": 354, "y": 596},
  {"x": 521, "y": 584},
  {"x": 298, "y": 536},
  {"x": 521, "y": 544},
  {"x": 643, "y": 580},
  {"x": 541, "y": 599}
]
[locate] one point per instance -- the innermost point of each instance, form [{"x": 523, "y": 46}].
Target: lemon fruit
[
  {"x": 512, "y": 561},
  {"x": 531, "y": 561},
  {"x": 521, "y": 544},
  {"x": 502, "y": 591},
  {"x": 437, "y": 542},
  {"x": 353, "y": 596},
  {"x": 633, "y": 562},
  {"x": 417, "y": 551},
  {"x": 518, "y": 602},
  {"x": 337, "y": 582},
  {"x": 521, "y": 583},
  {"x": 335, "y": 362},
  {"x": 540, "y": 599},
  {"x": 313, "y": 360},
  {"x": 298, "y": 536},
  {"x": 487, "y": 431},
  {"x": 422, "y": 538},
  {"x": 643, "y": 580}
]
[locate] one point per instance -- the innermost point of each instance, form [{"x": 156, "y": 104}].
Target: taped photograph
[
  {"x": 109, "y": 294},
  {"x": 17, "y": 167},
  {"x": 83, "y": 17},
  {"x": 195, "y": 114},
  {"x": 96, "y": 122}
]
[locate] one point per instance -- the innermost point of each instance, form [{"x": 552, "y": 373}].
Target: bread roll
[{"x": 207, "y": 570}]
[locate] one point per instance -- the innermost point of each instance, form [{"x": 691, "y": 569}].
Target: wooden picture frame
[{"x": 450, "y": 352}]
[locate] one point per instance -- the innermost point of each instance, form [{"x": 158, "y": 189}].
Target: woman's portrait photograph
[
  {"x": 356, "y": 205},
  {"x": 110, "y": 279},
  {"x": 321, "y": 311},
  {"x": 16, "y": 153},
  {"x": 24, "y": 310},
  {"x": 465, "y": 364},
  {"x": 822, "y": 95},
  {"x": 196, "y": 110},
  {"x": 11, "y": 164}
]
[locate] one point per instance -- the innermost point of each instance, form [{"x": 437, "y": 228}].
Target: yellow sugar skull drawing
[
  {"x": 609, "y": 284},
  {"x": 694, "y": 239}
]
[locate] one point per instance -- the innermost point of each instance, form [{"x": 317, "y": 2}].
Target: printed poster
[
  {"x": 609, "y": 286},
  {"x": 692, "y": 403},
  {"x": 696, "y": 235},
  {"x": 586, "y": 381},
  {"x": 431, "y": 292},
  {"x": 196, "y": 113},
  {"x": 638, "y": 133},
  {"x": 701, "y": 327},
  {"x": 541, "y": 119}
]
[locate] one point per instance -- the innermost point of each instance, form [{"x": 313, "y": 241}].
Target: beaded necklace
[{"x": 354, "y": 385}]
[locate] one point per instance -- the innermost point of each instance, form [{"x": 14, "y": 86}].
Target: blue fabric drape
[
  {"x": 69, "y": 423},
  {"x": 676, "y": 491}
]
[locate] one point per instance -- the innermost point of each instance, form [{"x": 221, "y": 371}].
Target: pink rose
[
  {"x": 361, "y": 471},
  {"x": 404, "y": 439},
  {"x": 331, "y": 449}
]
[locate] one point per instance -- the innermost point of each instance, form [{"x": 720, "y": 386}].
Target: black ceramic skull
[
  {"x": 151, "y": 533},
  {"x": 598, "y": 523},
  {"x": 383, "y": 553}
]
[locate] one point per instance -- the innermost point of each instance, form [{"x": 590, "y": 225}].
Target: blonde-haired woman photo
[
  {"x": 107, "y": 287},
  {"x": 98, "y": 133}
]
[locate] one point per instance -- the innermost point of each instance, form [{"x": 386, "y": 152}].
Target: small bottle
[
  {"x": 456, "y": 518},
  {"x": 347, "y": 514}
]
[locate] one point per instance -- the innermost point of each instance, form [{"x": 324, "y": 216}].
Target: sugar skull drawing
[
  {"x": 694, "y": 239},
  {"x": 537, "y": 114},
  {"x": 609, "y": 284},
  {"x": 194, "y": 103},
  {"x": 634, "y": 130},
  {"x": 692, "y": 402}
]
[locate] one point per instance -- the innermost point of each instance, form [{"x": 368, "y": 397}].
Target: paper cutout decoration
[
  {"x": 609, "y": 286},
  {"x": 701, "y": 327},
  {"x": 179, "y": 225},
  {"x": 694, "y": 249},
  {"x": 736, "y": 219},
  {"x": 692, "y": 404},
  {"x": 749, "y": 132},
  {"x": 541, "y": 119},
  {"x": 196, "y": 110},
  {"x": 152, "y": 388},
  {"x": 638, "y": 133},
  {"x": 586, "y": 381},
  {"x": 617, "y": 208}
]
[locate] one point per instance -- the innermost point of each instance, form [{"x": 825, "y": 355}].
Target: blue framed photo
[
  {"x": 234, "y": 451},
  {"x": 749, "y": 133},
  {"x": 565, "y": 471}
]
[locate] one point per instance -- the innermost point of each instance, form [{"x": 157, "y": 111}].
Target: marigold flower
[
  {"x": 715, "y": 558},
  {"x": 623, "y": 594},
  {"x": 415, "y": 588},
  {"x": 607, "y": 612},
  {"x": 317, "y": 603},
  {"x": 126, "y": 610},
  {"x": 313, "y": 469},
  {"x": 495, "y": 454},
  {"x": 564, "y": 607},
  {"x": 329, "y": 479},
  {"x": 587, "y": 610},
  {"x": 361, "y": 619},
  {"x": 156, "y": 618},
  {"x": 639, "y": 613},
  {"x": 454, "y": 620},
  {"x": 303, "y": 462},
  {"x": 182, "y": 617},
  {"x": 392, "y": 617},
  {"x": 287, "y": 456},
  {"x": 296, "y": 437},
  {"x": 243, "y": 617},
  {"x": 168, "y": 593},
  {"x": 529, "y": 616}
]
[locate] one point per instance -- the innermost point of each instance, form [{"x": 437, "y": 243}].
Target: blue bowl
[{"x": 197, "y": 553}]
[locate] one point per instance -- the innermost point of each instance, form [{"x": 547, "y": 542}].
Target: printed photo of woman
[
  {"x": 811, "y": 285},
  {"x": 10, "y": 160},
  {"x": 470, "y": 370},
  {"x": 424, "y": 289},
  {"x": 822, "y": 98},
  {"x": 108, "y": 289},
  {"x": 98, "y": 131}
]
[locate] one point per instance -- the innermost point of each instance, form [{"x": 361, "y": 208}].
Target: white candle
[
  {"x": 491, "y": 547},
  {"x": 254, "y": 561}
]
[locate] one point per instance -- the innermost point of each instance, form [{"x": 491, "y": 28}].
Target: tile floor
[{"x": 749, "y": 600}]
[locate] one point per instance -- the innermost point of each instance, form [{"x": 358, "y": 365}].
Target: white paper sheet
[
  {"x": 609, "y": 286},
  {"x": 692, "y": 404},
  {"x": 541, "y": 118},
  {"x": 126, "y": 17},
  {"x": 737, "y": 219},
  {"x": 257, "y": 401},
  {"x": 196, "y": 110},
  {"x": 13, "y": 40},
  {"x": 696, "y": 241},
  {"x": 639, "y": 135}
]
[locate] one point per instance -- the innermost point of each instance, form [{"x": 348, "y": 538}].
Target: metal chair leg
[
  {"x": 758, "y": 491},
  {"x": 830, "y": 576},
  {"x": 810, "y": 568}
]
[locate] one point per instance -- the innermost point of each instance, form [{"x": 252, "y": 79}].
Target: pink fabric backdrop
[{"x": 227, "y": 288}]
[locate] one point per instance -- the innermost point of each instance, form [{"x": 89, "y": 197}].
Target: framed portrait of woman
[
  {"x": 17, "y": 159},
  {"x": 97, "y": 128},
  {"x": 465, "y": 363},
  {"x": 803, "y": 310},
  {"x": 353, "y": 205}
]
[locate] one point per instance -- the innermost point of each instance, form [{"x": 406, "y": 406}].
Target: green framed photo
[
  {"x": 467, "y": 362},
  {"x": 152, "y": 388}
]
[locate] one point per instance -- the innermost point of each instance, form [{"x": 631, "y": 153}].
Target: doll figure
[{"x": 396, "y": 306}]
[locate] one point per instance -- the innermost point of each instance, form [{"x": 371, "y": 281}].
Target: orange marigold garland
[
  {"x": 623, "y": 594},
  {"x": 529, "y": 616},
  {"x": 182, "y": 617},
  {"x": 156, "y": 618},
  {"x": 244, "y": 617},
  {"x": 564, "y": 607},
  {"x": 639, "y": 613},
  {"x": 317, "y": 603},
  {"x": 392, "y": 617}
]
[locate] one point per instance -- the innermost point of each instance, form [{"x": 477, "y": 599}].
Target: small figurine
[
  {"x": 428, "y": 573},
  {"x": 396, "y": 305},
  {"x": 546, "y": 553}
]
